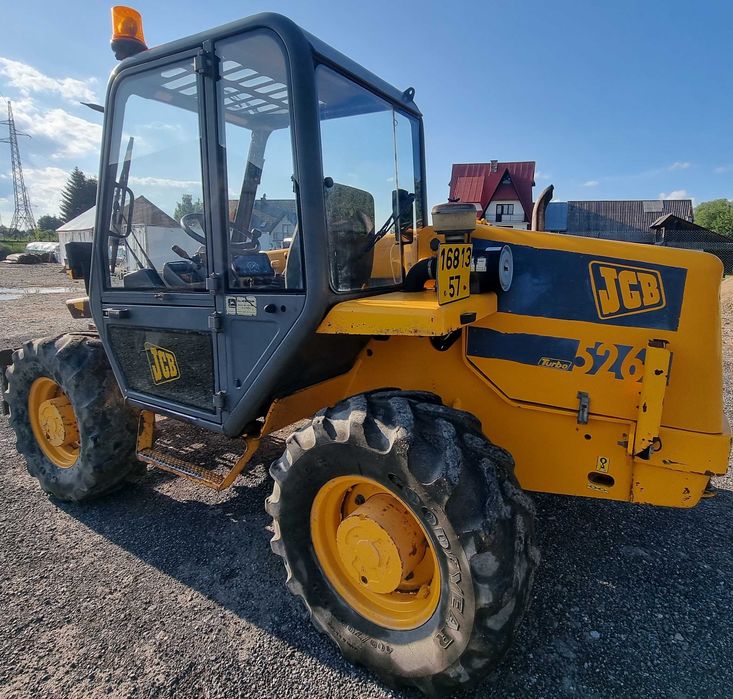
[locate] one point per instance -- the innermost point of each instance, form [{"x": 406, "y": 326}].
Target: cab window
[
  {"x": 157, "y": 228},
  {"x": 372, "y": 183},
  {"x": 264, "y": 247}
]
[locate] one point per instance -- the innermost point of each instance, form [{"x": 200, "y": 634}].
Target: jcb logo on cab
[
  {"x": 163, "y": 364},
  {"x": 622, "y": 291}
]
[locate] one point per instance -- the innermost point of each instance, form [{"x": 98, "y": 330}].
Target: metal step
[{"x": 182, "y": 468}]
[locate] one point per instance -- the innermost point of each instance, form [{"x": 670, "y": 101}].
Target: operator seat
[{"x": 351, "y": 222}]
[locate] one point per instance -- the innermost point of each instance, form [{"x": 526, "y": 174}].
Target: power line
[{"x": 23, "y": 219}]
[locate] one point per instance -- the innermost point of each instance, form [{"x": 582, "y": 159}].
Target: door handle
[{"x": 116, "y": 313}]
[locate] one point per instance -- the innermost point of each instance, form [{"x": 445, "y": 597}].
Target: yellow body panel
[
  {"x": 402, "y": 313},
  {"x": 278, "y": 259},
  {"x": 579, "y": 319},
  {"x": 79, "y": 308},
  {"x": 387, "y": 263}
]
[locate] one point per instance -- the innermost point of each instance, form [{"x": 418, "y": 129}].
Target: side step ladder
[{"x": 198, "y": 474}]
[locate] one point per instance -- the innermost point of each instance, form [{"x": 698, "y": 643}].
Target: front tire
[
  {"x": 459, "y": 489},
  {"x": 70, "y": 421}
]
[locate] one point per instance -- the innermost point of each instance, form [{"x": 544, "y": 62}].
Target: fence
[{"x": 705, "y": 241}]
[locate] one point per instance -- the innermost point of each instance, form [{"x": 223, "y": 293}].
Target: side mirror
[
  {"x": 402, "y": 202},
  {"x": 122, "y": 211}
]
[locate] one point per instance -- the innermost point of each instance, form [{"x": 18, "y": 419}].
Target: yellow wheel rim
[
  {"x": 53, "y": 422},
  {"x": 375, "y": 553}
]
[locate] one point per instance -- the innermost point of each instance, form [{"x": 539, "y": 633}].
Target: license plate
[{"x": 454, "y": 272}]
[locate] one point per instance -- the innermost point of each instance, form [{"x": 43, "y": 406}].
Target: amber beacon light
[{"x": 127, "y": 32}]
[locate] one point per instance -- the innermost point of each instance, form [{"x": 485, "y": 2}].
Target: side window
[
  {"x": 370, "y": 176},
  {"x": 157, "y": 237},
  {"x": 409, "y": 179},
  {"x": 264, "y": 249}
]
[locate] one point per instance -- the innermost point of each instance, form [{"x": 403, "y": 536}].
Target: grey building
[
  {"x": 673, "y": 232},
  {"x": 629, "y": 220}
]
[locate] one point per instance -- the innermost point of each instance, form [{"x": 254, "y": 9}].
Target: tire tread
[
  {"x": 108, "y": 427},
  {"x": 475, "y": 484}
]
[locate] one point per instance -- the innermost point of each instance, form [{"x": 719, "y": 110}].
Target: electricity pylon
[{"x": 23, "y": 214}]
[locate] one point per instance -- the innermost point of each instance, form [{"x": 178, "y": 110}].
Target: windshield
[{"x": 158, "y": 235}]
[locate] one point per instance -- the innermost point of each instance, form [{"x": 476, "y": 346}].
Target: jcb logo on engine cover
[
  {"x": 622, "y": 291},
  {"x": 163, "y": 364}
]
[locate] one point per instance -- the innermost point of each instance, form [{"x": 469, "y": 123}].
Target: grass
[{"x": 14, "y": 245}]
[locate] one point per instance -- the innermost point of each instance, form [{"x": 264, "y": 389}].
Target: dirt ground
[
  {"x": 40, "y": 309},
  {"x": 169, "y": 590}
]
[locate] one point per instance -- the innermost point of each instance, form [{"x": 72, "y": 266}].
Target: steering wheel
[{"x": 186, "y": 222}]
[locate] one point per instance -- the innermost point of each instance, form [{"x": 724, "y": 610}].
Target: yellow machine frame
[{"x": 636, "y": 415}]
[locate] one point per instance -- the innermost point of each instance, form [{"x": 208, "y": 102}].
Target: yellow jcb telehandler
[{"x": 445, "y": 371}]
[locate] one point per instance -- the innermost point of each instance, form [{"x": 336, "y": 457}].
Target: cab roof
[{"x": 295, "y": 39}]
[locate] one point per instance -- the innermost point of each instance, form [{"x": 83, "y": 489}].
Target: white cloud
[
  {"x": 176, "y": 129},
  {"x": 164, "y": 182},
  {"x": 721, "y": 169},
  {"x": 675, "y": 194},
  {"x": 73, "y": 136},
  {"x": 540, "y": 175},
  {"x": 45, "y": 186},
  {"x": 591, "y": 183},
  {"x": 679, "y": 165},
  {"x": 28, "y": 80}
]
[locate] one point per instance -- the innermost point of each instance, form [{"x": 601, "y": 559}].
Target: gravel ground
[
  {"x": 169, "y": 590},
  {"x": 37, "y": 312}
]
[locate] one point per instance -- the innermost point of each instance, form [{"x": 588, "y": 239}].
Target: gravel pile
[{"x": 170, "y": 590}]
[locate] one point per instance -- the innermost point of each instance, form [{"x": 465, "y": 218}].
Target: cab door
[
  {"x": 156, "y": 308},
  {"x": 259, "y": 241}
]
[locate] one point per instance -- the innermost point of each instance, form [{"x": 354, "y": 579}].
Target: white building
[
  {"x": 152, "y": 231},
  {"x": 501, "y": 192}
]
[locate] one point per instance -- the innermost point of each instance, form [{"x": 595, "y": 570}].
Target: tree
[
  {"x": 79, "y": 195},
  {"x": 49, "y": 223},
  {"x": 717, "y": 215},
  {"x": 187, "y": 206}
]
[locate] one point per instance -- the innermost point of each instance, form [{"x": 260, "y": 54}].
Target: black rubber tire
[
  {"x": 461, "y": 488},
  {"x": 107, "y": 426}
]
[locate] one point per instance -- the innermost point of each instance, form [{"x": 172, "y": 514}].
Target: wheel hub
[
  {"x": 53, "y": 422},
  {"x": 57, "y": 421},
  {"x": 380, "y": 544},
  {"x": 374, "y": 552}
]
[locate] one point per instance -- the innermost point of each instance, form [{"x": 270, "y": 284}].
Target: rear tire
[
  {"x": 104, "y": 453},
  {"x": 461, "y": 490}
]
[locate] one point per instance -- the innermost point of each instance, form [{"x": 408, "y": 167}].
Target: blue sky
[{"x": 613, "y": 100}]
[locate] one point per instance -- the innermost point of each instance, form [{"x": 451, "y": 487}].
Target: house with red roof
[{"x": 501, "y": 192}]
